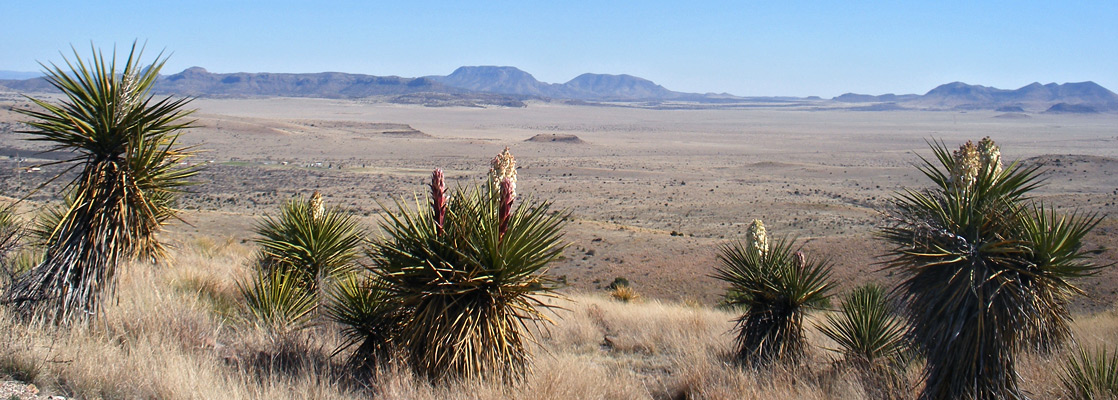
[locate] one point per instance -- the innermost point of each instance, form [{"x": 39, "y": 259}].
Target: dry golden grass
[{"x": 177, "y": 332}]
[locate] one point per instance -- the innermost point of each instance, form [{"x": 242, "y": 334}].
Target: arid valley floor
[{"x": 652, "y": 192}]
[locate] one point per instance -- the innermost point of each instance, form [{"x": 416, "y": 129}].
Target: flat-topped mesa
[{"x": 555, "y": 138}]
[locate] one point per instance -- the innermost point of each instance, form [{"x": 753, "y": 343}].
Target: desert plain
[{"x": 652, "y": 192}]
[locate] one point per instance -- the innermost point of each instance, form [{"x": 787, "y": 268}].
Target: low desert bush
[{"x": 624, "y": 293}]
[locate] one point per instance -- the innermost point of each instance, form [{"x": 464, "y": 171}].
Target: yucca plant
[
  {"x": 775, "y": 286},
  {"x": 871, "y": 338},
  {"x": 309, "y": 241},
  {"x": 1090, "y": 375},
  {"x": 986, "y": 270},
  {"x": 624, "y": 293},
  {"x": 124, "y": 146},
  {"x": 370, "y": 319},
  {"x": 277, "y": 303},
  {"x": 470, "y": 274}
]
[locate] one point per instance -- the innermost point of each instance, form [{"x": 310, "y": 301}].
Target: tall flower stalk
[{"x": 438, "y": 199}]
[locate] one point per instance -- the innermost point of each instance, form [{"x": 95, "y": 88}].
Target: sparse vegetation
[
  {"x": 454, "y": 300},
  {"x": 987, "y": 272},
  {"x": 124, "y": 146},
  {"x": 775, "y": 285}
]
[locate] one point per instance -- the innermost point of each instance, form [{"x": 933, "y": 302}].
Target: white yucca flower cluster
[
  {"x": 503, "y": 166},
  {"x": 129, "y": 94},
  {"x": 318, "y": 206},
  {"x": 990, "y": 154},
  {"x": 972, "y": 160},
  {"x": 758, "y": 238}
]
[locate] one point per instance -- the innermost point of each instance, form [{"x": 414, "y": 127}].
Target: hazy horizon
[{"x": 786, "y": 49}]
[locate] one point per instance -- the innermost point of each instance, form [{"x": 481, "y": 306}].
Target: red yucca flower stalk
[
  {"x": 505, "y": 211},
  {"x": 438, "y": 198}
]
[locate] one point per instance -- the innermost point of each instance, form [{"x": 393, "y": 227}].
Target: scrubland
[
  {"x": 652, "y": 193},
  {"x": 178, "y": 331}
]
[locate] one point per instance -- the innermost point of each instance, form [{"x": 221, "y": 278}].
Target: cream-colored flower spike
[
  {"x": 127, "y": 96},
  {"x": 991, "y": 155},
  {"x": 503, "y": 166},
  {"x": 968, "y": 163},
  {"x": 318, "y": 206},
  {"x": 758, "y": 238}
]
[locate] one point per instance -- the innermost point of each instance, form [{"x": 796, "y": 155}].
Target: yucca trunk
[{"x": 81, "y": 264}]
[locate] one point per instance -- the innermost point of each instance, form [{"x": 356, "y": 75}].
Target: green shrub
[
  {"x": 618, "y": 282},
  {"x": 775, "y": 287},
  {"x": 987, "y": 272}
]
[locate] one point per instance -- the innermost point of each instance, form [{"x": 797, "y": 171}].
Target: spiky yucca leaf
[
  {"x": 775, "y": 288},
  {"x": 124, "y": 143},
  {"x": 11, "y": 233},
  {"x": 370, "y": 319},
  {"x": 867, "y": 330},
  {"x": 624, "y": 293},
  {"x": 469, "y": 292},
  {"x": 986, "y": 272},
  {"x": 310, "y": 249},
  {"x": 1091, "y": 375},
  {"x": 277, "y": 303},
  {"x": 871, "y": 338}
]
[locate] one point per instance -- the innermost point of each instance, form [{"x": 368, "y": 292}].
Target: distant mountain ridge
[
  {"x": 196, "y": 81},
  {"x": 600, "y": 87},
  {"x": 480, "y": 81},
  {"x": 1073, "y": 97},
  {"x": 510, "y": 86}
]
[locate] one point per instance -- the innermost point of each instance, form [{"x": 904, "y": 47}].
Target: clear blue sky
[{"x": 795, "y": 48}]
